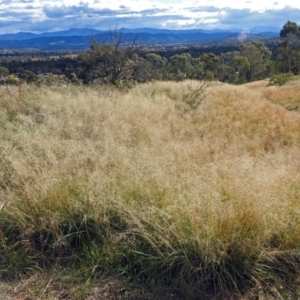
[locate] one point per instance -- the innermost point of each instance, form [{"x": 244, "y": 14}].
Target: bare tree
[{"x": 110, "y": 60}]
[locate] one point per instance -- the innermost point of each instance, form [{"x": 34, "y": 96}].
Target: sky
[{"x": 54, "y": 15}]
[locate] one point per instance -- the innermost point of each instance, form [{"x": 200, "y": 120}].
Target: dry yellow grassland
[
  {"x": 287, "y": 95},
  {"x": 209, "y": 198}
]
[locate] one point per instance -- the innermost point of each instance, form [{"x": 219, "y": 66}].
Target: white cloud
[{"x": 51, "y": 15}]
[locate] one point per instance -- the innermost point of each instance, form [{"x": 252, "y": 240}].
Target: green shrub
[
  {"x": 281, "y": 79},
  {"x": 12, "y": 79}
]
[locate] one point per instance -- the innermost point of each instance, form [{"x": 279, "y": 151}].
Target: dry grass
[
  {"x": 127, "y": 182},
  {"x": 287, "y": 95}
]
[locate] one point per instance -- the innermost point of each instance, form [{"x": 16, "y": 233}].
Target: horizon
[{"x": 40, "y": 16}]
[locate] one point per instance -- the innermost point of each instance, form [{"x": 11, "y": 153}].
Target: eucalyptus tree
[
  {"x": 211, "y": 65},
  {"x": 179, "y": 66},
  {"x": 255, "y": 54},
  {"x": 288, "y": 54},
  {"x": 155, "y": 66},
  {"x": 241, "y": 66}
]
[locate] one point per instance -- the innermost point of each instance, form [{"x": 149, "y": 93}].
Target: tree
[
  {"x": 156, "y": 60},
  {"x": 4, "y": 72},
  {"x": 179, "y": 66},
  {"x": 197, "y": 68},
  {"x": 254, "y": 54},
  {"x": 228, "y": 71},
  {"x": 241, "y": 65},
  {"x": 155, "y": 66},
  {"x": 288, "y": 55},
  {"x": 28, "y": 76},
  {"x": 211, "y": 65},
  {"x": 266, "y": 54},
  {"x": 264, "y": 51},
  {"x": 109, "y": 61}
]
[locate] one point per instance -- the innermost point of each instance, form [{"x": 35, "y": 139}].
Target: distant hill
[
  {"x": 17, "y": 36},
  {"x": 79, "y": 38},
  {"x": 72, "y": 32}
]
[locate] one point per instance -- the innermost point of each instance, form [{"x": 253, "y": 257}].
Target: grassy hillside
[{"x": 103, "y": 181}]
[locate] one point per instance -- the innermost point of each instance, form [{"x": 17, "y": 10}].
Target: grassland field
[{"x": 98, "y": 183}]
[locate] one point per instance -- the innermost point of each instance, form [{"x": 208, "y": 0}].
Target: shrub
[
  {"x": 193, "y": 98},
  {"x": 28, "y": 76},
  {"x": 281, "y": 79},
  {"x": 12, "y": 79},
  {"x": 4, "y": 72}
]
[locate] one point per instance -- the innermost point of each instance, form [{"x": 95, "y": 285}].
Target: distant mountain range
[{"x": 80, "y": 38}]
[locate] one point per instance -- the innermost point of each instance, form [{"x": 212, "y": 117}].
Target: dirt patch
[
  {"x": 38, "y": 287},
  {"x": 43, "y": 287},
  {"x": 5, "y": 293}
]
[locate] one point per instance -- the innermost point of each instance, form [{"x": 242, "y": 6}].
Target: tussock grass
[{"x": 109, "y": 181}]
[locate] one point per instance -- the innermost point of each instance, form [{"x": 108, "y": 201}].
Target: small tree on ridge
[{"x": 109, "y": 61}]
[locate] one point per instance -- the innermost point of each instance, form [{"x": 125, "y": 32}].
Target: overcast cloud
[{"x": 53, "y": 15}]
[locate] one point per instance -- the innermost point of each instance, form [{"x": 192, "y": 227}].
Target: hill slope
[{"x": 105, "y": 181}]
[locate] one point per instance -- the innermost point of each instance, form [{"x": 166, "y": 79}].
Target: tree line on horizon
[{"x": 119, "y": 62}]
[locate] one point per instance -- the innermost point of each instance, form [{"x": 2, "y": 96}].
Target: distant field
[{"x": 103, "y": 181}]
